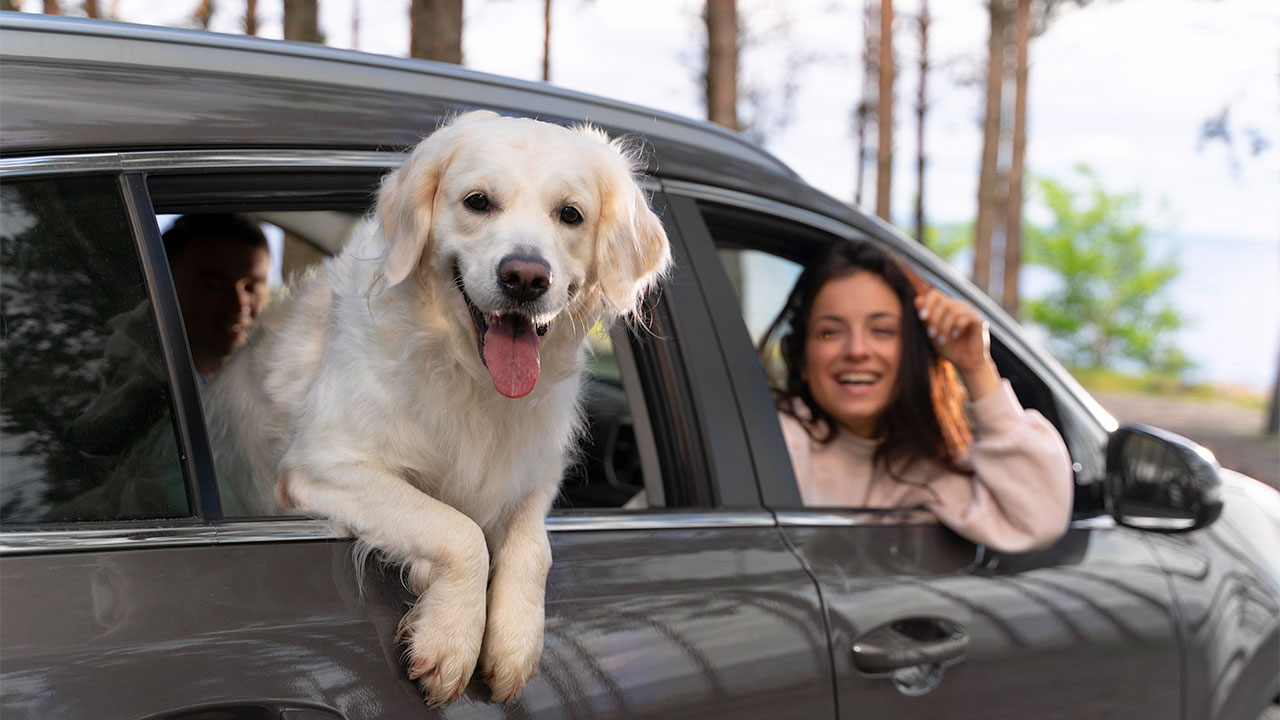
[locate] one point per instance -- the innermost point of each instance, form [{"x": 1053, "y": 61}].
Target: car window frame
[
  {"x": 677, "y": 312},
  {"x": 1084, "y": 424}
]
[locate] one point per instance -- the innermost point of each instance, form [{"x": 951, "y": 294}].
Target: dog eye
[
  {"x": 477, "y": 201},
  {"x": 569, "y": 215}
]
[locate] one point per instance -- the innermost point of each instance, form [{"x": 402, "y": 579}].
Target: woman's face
[{"x": 853, "y": 350}]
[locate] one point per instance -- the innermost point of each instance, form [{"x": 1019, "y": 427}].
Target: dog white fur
[{"x": 362, "y": 396}]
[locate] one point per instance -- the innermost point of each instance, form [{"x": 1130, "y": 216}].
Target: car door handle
[{"x": 909, "y": 642}]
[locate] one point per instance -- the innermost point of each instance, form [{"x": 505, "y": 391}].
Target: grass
[{"x": 1166, "y": 386}]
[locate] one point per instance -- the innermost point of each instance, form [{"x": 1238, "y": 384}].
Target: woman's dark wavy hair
[{"x": 925, "y": 417}]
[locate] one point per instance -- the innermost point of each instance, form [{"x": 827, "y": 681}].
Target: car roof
[
  {"x": 73, "y": 85},
  {"x": 84, "y": 85}
]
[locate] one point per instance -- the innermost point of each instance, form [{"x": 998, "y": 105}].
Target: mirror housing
[{"x": 1160, "y": 481}]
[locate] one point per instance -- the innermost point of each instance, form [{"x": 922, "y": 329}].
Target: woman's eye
[
  {"x": 477, "y": 201},
  {"x": 826, "y": 334},
  {"x": 884, "y": 332},
  {"x": 569, "y": 215}
]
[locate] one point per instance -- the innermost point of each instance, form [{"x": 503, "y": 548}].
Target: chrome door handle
[{"x": 909, "y": 642}]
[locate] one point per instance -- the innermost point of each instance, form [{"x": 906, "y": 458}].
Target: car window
[
  {"x": 611, "y": 468},
  {"x": 87, "y": 431},
  {"x": 764, "y": 255}
]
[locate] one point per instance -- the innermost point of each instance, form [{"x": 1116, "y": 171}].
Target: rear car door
[
  {"x": 924, "y": 623},
  {"x": 126, "y": 592}
]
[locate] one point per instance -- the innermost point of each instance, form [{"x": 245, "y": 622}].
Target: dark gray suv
[{"x": 688, "y": 579}]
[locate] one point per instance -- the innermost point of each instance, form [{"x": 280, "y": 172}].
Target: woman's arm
[{"x": 1020, "y": 495}]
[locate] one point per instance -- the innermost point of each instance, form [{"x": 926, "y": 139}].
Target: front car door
[
  {"x": 1086, "y": 628},
  {"x": 118, "y": 605}
]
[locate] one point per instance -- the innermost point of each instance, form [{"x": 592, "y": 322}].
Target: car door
[
  {"x": 924, "y": 623},
  {"x": 693, "y": 607}
]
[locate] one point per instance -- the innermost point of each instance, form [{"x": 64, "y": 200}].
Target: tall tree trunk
[
  {"x": 204, "y": 13},
  {"x": 862, "y": 114},
  {"x": 435, "y": 29},
  {"x": 884, "y": 115},
  {"x": 987, "y": 176},
  {"x": 10, "y": 5},
  {"x": 546, "y": 41},
  {"x": 1013, "y": 218},
  {"x": 51, "y": 7},
  {"x": 251, "y": 17},
  {"x": 91, "y": 8},
  {"x": 301, "y": 21},
  {"x": 722, "y": 62},
  {"x": 921, "y": 108}
]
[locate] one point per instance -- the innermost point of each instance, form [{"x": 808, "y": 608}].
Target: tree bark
[
  {"x": 51, "y": 7},
  {"x": 436, "y": 30},
  {"x": 204, "y": 13},
  {"x": 10, "y": 5},
  {"x": 722, "y": 62},
  {"x": 1013, "y": 208},
  {"x": 988, "y": 174},
  {"x": 91, "y": 9},
  {"x": 546, "y": 41},
  {"x": 251, "y": 17},
  {"x": 921, "y": 108},
  {"x": 866, "y": 106},
  {"x": 301, "y": 21},
  {"x": 884, "y": 114}
]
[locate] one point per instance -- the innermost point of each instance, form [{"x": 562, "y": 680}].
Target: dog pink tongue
[{"x": 511, "y": 354}]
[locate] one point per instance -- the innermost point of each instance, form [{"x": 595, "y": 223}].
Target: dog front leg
[
  {"x": 446, "y": 552},
  {"x": 517, "y": 586}
]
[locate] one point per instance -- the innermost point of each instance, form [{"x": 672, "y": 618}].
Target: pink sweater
[{"x": 1017, "y": 498}]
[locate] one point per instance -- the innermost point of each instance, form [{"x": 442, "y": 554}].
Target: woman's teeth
[{"x": 856, "y": 378}]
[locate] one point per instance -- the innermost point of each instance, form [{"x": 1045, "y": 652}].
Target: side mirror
[{"x": 1160, "y": 481}]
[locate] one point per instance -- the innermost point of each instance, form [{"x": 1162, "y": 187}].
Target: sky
[{"x": 1121, "y": 85}]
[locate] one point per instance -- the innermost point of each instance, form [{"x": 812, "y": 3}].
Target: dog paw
[
  {"x": 511, "y": 650},
  {"x": 442, "y": 638}
]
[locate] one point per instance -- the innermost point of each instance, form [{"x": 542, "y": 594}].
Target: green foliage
[
  {"x": 946, "y": 241},
  {"x": 1109, "y": 305}
]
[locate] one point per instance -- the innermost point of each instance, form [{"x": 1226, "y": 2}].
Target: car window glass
[
  {"x": 607, "y": 470},
  {"x": 87, "y": 432}
]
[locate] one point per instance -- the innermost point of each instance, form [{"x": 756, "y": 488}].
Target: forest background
[{"x": 1115, "y": 160}]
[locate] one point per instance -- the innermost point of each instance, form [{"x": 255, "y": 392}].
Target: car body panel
[
  {"x": 1086, "y": 628},
  {"x": 685, "y": 622}
]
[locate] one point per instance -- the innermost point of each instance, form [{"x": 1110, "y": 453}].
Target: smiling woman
[{"x": 873, "y": 414}]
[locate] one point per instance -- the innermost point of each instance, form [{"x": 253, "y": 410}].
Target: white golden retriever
[{"x": 421, "y": 388}]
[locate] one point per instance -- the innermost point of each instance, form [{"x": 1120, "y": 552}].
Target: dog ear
[
  {"x": 632, "y": 251},
  {"x": 406, "y": 198},
  {"x": 405, "y": 202}
]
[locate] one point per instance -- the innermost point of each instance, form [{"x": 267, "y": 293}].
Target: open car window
[
  {"x": 763, "y": 257},
  {"x": 615, "y": 466}
]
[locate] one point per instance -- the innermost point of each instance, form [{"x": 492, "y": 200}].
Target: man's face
[{"x": 221, "y": 285}]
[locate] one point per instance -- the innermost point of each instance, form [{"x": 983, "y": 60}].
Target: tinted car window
[{"x": 87, "y": 432}]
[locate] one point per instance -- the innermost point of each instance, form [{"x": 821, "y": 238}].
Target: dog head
[{"x": 532, "y": 224}]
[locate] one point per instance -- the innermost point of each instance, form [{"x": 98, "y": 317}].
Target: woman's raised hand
[{"x": 960, "y": 336}]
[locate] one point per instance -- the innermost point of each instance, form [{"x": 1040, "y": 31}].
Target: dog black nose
[{"x": 524, "y": 278}]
